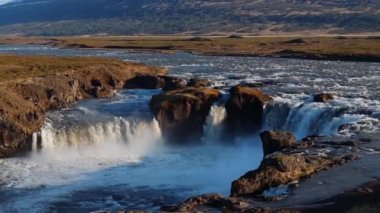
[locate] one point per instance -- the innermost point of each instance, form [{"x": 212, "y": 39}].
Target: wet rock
[
  {"x": 245, "y": 109},
  {"x": 181, "y": 113},
  {"x": 274, "y": 141},
  {"x": 299, "y": 161},
  {"x": 281, "y": 168},
  {"x": 99, "y": 92},
  {"x": 258, "y": 83},
  {"x": 194, "y": 82},
  {"x": 202, "y": 202},
  {"x": 252, "y": 84},
  {"x": 145, "y": 82},
  {"x": 173, "y": 83},
  {"x": 323, "y": 97}
]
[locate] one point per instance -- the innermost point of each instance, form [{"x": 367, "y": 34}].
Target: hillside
[{"x": 77, "y": 17}]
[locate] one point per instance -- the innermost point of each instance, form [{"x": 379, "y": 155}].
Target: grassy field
[
  {"x": 23, "y": 67},
  {"x": 359, "y": 48}
]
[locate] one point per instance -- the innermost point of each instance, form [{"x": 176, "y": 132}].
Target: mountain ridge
[{"x": 121, "y": 17}]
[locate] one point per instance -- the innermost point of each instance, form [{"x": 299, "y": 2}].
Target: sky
[{"x": 4, "y": 1}]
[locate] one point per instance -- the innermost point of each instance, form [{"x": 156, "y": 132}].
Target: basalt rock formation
[
  {"x": 174, "y": 83},
  {"x": 274, "y": 141},
  {"x": 195, "y": 82},
  {"x": 166, "y": 83},
  {"x": 299, "y": 162},
  {"x": 24, "y": 101},
  {"x": 323, "y": 97},
  {"x": 145, "y": 82},
  {"x": 182, "y": 113},
  {"x": 245, "y": 109},
  {"x": 295, "y": 163}
]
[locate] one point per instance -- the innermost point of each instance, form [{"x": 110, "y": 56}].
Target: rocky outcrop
[
  {"x": 24, "y": 102},
  {"x": 174, "y": 83},
  {"x": 285, "y": 167},
  {"x": 245, "y": 109},
  {"x": 167, "y": 83},
  {"x": 323, "y": 97},
  {"x": 274, "y": 141},
  {"x": 296, "y": 163},
  {"x": 145, "y": 82},
  {"x": 202, "y": 203},
  {"x": 196, "y": 82},
  {"x": 182, "y": 113}
]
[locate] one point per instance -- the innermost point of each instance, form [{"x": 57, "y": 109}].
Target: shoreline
[{"x": 95, "y": 81}]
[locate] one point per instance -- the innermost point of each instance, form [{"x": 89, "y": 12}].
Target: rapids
[{"x": 109, "y": 153}]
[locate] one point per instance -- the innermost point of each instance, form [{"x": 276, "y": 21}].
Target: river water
[{"x": 108, "y": 154}]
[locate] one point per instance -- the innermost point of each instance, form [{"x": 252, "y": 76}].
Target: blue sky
[{"x": 4, "y": 1}]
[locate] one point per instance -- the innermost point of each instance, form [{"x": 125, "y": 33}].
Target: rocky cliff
[{"x": 30, "y": 86}]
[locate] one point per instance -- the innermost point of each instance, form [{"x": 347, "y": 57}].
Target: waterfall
[
  {"x": 305, "y": 118},
  {"x": 214, "y": 126},
  {"x": 136, "y": 135}
]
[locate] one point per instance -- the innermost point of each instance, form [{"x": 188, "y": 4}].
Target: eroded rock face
[
  {"x": 182, "y": 113},
  {"x": 167, "y": 83},
  {"x": 195, "y": 82},
  {"x": 173, "y": 83},
  {"x": 274, "y": 141},
  {"x": 245, "y": 109},
  {"x": 23, "y": 103},
  {"x": 145, "y": 82},
  {"x": 323, "y": 97},
  {"x": 296, "y": 163}
]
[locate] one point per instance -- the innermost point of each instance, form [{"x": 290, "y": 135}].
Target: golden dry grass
[
  {"x": 257, "y": 46},
  {"x": 23, "y": 67}
]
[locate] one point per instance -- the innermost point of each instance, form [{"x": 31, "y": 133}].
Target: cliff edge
[{"x": 32, "y": 85}]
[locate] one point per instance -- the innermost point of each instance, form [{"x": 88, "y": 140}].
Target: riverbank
[
  {"x": 83, "y": 142},
  {"x": 32, "y": 85},
  {"x": 335, "y": 48}
]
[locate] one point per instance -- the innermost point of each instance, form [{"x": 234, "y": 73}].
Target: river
[{"x": 108, "y": 154}]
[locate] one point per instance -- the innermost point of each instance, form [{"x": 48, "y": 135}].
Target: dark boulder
[
  {"x": 281, "y": 168},
  {"x": 258, "y": 83},
  {"x": 274, "y": 141},
  {"x": 173, "y": 83},
  {"x": 323, "y": 97},
  {"x": 181, "y": 114},
  {"x": 194, "y": 82},
  {"x": 215, "y": 201},
  {"x": 145, "y": 82},
  {"x": 245, "y": 109},
  {"x": 297, "y": 162}
]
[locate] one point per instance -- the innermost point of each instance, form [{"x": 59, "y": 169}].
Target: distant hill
[{"x": 78, "y": 17}]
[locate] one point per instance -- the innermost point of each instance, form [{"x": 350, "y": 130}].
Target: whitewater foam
[
  {"x": 300, "y": 115},
  {"x": 214, "y": 126}
]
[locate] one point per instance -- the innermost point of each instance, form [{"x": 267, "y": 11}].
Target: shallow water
[{"x": 109, "y": 154}]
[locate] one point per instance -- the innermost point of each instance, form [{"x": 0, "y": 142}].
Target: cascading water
[
  {"x": 214, "y": 126},
  {"x": 304, "y": 117},
  {"x": 108, "y": 154},
  {"x": 116, "y": 131}
]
